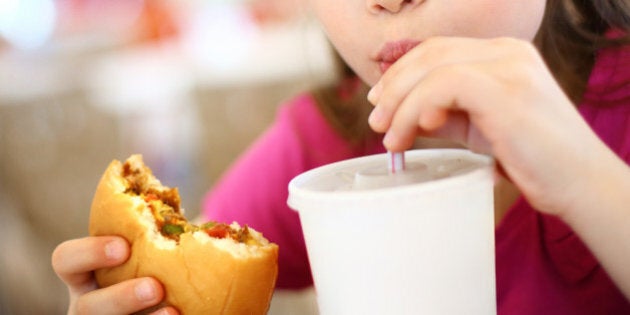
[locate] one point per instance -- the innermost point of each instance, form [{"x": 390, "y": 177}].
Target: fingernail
[
  {"x": 374, "y": 93},
  {"x": 389, "y": 139},
  {"x": 145, "y": 291},
  {"x": 114, "y": 250},
  {"x": 376, "y": 117}
]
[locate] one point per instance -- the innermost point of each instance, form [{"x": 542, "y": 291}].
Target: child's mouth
[{"x": 392, "y": 51}]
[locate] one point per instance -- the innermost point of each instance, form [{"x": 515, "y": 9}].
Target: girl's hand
[
  {"x": 497, "y": 97},
  {"x": 74, "y": 262}
]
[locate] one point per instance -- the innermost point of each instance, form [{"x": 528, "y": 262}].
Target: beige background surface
[{"x": 67, "y": 111}]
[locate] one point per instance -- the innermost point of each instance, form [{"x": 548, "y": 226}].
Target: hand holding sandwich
[
  {"x": 75, "y": 261},
  {"x": 143, "y": 253}
]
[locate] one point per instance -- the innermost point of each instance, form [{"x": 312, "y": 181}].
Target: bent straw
[{"x": 395, "y": 161}]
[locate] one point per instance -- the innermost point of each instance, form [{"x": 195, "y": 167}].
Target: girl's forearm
[{"x": 601, "y": 217}]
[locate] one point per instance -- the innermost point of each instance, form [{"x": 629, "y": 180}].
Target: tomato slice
[
  {"x": 219, "y": 231},
  {"x": 150, "y": 197}
]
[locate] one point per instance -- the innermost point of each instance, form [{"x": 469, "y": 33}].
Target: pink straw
[{"x": 396, "y": 161}]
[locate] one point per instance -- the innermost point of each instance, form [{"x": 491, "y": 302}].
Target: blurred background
[{"x": 187, "y": 83}]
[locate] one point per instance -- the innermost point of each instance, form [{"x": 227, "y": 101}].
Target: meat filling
[{"x": 164, "y": 204}]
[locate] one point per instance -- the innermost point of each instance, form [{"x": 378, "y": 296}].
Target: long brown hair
[{"x": 571, "y": 33}]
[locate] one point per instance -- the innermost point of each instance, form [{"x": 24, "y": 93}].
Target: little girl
[{"x": 543, "y": 86}]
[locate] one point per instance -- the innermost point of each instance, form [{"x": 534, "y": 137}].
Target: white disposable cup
[{"x": 422, "y": 243}]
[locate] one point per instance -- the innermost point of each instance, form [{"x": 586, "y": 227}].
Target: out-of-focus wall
[{"x": 86, "y": 97}]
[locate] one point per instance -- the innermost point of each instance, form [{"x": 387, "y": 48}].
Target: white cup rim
[{"x": 301, "y": 198}]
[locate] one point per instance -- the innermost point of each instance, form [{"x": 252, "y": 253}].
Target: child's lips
[{"x": 392, "y": 51}]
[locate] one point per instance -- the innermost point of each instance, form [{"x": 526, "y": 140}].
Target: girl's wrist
[
  {"x": 604, "y": 195},
  {"x": 601, "y": 218}
]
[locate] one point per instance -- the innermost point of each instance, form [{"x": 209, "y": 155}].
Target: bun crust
[{"x": 200, "y": 274}]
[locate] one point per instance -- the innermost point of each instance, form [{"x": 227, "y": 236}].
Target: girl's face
[{"x": 372, "y": 34}]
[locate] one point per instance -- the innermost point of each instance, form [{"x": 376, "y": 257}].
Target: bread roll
[{"x": 213, "y": 268}]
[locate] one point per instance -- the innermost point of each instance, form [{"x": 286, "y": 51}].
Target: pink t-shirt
[{"x": 542, "y": 266}]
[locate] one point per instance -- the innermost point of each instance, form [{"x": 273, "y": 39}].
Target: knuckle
[
  {"x": 433, "y": 48},
  {"x": 433, "y": 41},
  {"x": 516, "y": 48},
  {"x": 432, "y": 55},
  {"x": 504, "y": 42},
  {"x": 389, "y": 95},
  {"x": 457, "y": 72}
]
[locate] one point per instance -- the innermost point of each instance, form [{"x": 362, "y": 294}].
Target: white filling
[
  {"x": 148, "y": 222},
  {"x": 235, "y": 248}
]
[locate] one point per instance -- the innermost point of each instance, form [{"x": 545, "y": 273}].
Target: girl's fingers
[
  {"x": 74, "y": 260},
  {"x": 123, "y": 298},
  {"x": 402, "y": 76},
  {"x": 497, "y": 97},
  {"x": 480, "y": 87},
  {"x": 433, "y": 105},
  {"x": 400, "y": 79}
]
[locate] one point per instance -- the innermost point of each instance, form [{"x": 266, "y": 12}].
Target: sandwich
[{"x": 209, "y": 268}]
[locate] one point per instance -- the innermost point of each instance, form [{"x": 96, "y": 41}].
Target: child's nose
[{"x": 393, "y": 6}]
